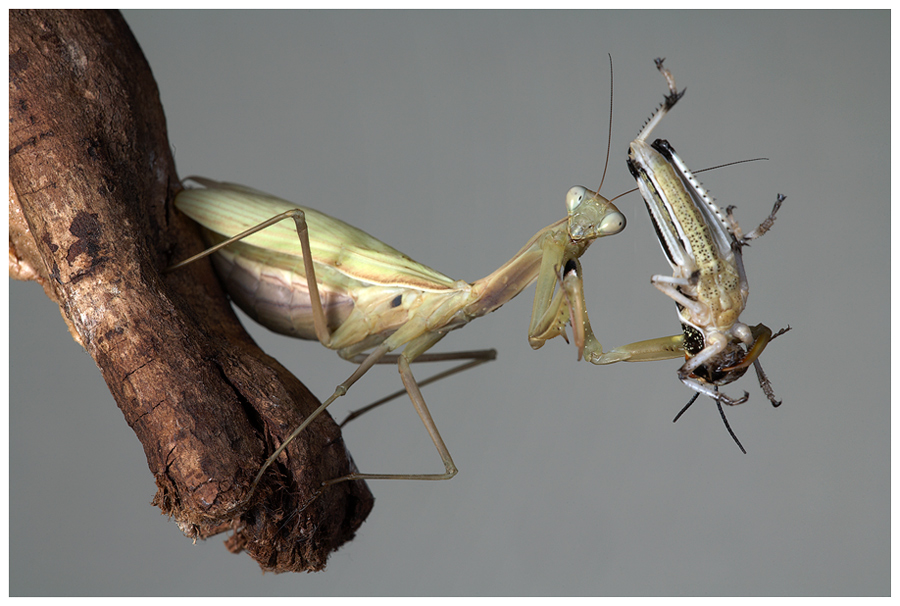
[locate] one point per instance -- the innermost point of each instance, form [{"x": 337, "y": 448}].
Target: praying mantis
[
  {"x": 302, "y": 273},
  {"x": 709, "y": 286}
]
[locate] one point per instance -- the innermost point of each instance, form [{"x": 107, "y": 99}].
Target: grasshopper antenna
[
  {"x": 696, "y": 172},
  {"x": 703, "y": 170},
  {"x": 721, "y": 413}
]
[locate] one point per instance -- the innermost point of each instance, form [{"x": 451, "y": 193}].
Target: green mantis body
[
  {"x": 317, "y": 277},
  {"x": 709, "y": 285}
]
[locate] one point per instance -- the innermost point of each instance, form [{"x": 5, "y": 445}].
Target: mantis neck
[{"x": 492, "y": 291}]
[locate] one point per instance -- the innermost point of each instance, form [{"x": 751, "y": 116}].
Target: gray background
[{"x": 454, "y": 137}]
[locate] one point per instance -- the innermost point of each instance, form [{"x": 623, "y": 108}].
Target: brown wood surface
[{"x": 91, "y": 185}]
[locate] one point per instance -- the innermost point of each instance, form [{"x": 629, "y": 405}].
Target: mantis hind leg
[
  {"x": 341, "y": 389},
  {"x": 474, "y": 357},
  {"x": 417, "y": 341},
  {"x": 415, "y": 394},
  {"x": 415, "y": 351}
]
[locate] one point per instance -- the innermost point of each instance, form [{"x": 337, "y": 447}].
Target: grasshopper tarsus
[
  {"x": 765, "y": 226},
  {"x": 737, "y": 402},
  {"x": 765, "y": 384},
  {"x": 673, "y": 96},
  {"x": 781, "y": 332},
  {"x": 779, "y": 198}
]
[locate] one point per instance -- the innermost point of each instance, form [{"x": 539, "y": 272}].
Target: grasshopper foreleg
[{"x": 668, "y": 285}]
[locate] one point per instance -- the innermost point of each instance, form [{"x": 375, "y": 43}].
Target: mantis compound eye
[
  {"x": 612, "y": 223},
  {"x": 574, "y": 197}
]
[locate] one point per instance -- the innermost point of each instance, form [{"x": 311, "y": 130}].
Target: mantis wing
[{"x": 229, "y": 209}]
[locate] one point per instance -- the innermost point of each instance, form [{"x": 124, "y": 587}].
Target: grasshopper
[
  {"x": 302, "y": 273},
  {"x": 709, "y": 285}
]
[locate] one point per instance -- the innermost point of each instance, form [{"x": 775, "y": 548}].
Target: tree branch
[{"x": 91, "y": 185}]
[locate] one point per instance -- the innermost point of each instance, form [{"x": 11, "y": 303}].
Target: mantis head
[{"x": 591, "y": 216}]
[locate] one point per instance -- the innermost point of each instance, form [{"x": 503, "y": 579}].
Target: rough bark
[{"x": 91, "y": 185}]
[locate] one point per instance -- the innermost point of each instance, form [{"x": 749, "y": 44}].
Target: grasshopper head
[
  {"x": 724, "y": 368},
  {"x": 732, "y": 362},
  {"x": 591, "y": 215}
]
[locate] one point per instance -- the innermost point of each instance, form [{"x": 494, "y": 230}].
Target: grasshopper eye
[{"x": 574, "y": 197}]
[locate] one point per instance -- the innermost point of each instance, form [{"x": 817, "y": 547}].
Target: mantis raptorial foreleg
[
  {"x": 549, "y": 313},
  {"x": 661, "y": 348},
  {"x": 560, "y": 267}
]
